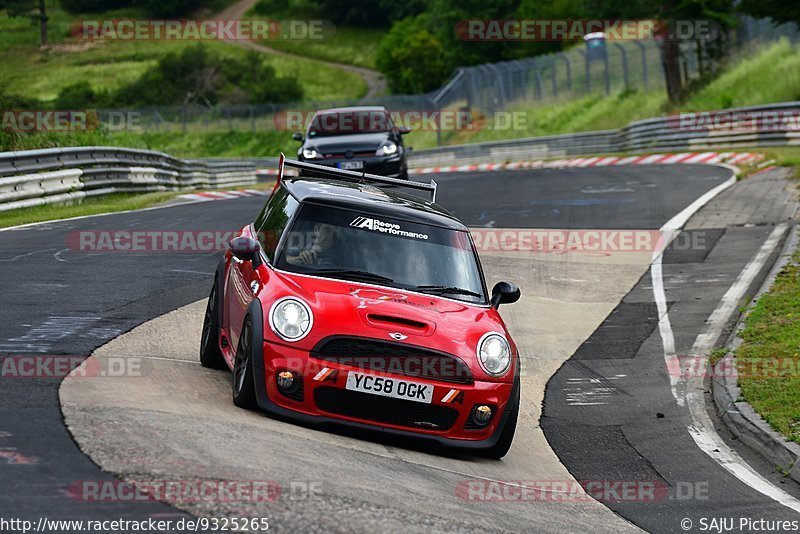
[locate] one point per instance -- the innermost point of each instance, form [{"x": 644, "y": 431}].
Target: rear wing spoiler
[{"x": 351, "y": 176}]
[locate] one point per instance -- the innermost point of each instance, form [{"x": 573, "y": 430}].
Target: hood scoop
[
  {"x": 392, "y": 320},
  {"x": 395, "y": 322}
]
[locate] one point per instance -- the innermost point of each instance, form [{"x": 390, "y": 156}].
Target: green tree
[
  {"x": 412, "y": 59},
  {"x": 199, "y": 75},
  {"x": 778, "y": 10},
  {"x": 719, "y": 12}
]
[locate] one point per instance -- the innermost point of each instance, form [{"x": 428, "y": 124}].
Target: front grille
[
  {"x": 342, "y": 155},
  {"x": 384, "y": 409},
  {"x": 396, "y": 358}
]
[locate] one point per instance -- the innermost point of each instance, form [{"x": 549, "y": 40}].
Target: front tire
[
  {"x": 500, "y": 449},
  {"x": 244, "y": 390},
  {"x": 210, "y": 354}
]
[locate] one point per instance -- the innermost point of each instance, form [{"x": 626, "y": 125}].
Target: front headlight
[
  {"x": 291, "y": 319},
  {"x": 386, "y": 149},
  {"x": 494, "y": 354},
  {"x": 309, "y": 153}
]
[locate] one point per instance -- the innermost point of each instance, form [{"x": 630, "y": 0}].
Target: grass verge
[
  {"x": 89, "y": 206},
  {"x": 768, "y": 360}
]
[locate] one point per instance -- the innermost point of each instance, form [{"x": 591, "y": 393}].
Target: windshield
[
  {"x": 357, "y": 246},
  {"x": 350, "y": 122}
]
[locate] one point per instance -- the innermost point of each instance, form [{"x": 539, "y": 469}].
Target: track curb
[{"x": 738, "y": 415}]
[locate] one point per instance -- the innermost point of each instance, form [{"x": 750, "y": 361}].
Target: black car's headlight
[
  {"x": 291, "y": 319},
  {"x": 310, "y": 153},
  {"x": 494, "y": 354},
  {"x": 387, "y": 149}
]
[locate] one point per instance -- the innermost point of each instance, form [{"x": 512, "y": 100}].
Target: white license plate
[
  {"x": 389, "y": 387},
  {"x": 351, "y": 165}
]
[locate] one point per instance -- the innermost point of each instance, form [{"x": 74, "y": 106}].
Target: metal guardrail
[
  {"x": 36, "y": 177},
  {"x": 758, "y": 126}
]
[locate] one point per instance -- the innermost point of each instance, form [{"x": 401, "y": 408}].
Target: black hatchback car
[{"x": 361, "y": 138}]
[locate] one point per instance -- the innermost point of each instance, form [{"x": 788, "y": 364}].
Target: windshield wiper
[
  {"x": 353, "y": 273},
  {"x": 440, "y": 290}
]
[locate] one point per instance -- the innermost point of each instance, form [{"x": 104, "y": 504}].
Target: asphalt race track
[{"x": 587, "y": 326}]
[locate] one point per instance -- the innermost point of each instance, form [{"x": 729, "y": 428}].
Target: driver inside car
[{"x": 322, "y": 250}]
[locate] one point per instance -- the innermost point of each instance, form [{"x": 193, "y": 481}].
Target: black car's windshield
[
  {"x": 361, "y": 247},
  {"x": 350, "y": 122}
]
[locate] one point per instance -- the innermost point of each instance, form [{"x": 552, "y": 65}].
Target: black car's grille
[
  {"x": 396, "y": 358},
  {"x": 384, "y": 409},
  {"x": 344, "y": 154}
]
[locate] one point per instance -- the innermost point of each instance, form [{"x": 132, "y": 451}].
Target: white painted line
[
  {"x": 702, "y": 430},
  {"x": 690, "y": 392}
]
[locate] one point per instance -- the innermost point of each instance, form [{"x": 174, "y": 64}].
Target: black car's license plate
[{"x": 351, "y": 165}]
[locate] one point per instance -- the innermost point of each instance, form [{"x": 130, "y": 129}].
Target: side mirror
[
  {"x": 246, "y": 248},
  {"x": 297, "y": 136},
  {"x": 504, "y": 293},
  {"x": 404, "y": 130}
]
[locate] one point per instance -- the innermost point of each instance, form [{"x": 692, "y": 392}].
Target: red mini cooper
[{"x": 348, "y": 301}]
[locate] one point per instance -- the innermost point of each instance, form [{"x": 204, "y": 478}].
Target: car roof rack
[{"x": 351, "y": 176}]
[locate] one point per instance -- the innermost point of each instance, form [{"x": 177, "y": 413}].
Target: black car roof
[{"x": 383, "y": 200}]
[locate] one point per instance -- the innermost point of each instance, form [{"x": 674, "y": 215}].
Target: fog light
[
  {"x": 285, "y": 380},
  {"x": 482, "y": 414}
]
